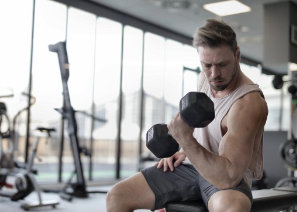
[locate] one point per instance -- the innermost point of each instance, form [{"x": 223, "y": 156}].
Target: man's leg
[
  {"x": 237, "y": 199},
  {"x": 229, "y": 201},
  {"x": 129, "y": 194}
]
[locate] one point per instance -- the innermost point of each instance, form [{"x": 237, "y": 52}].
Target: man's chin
[{"x": 218, "y": 87}]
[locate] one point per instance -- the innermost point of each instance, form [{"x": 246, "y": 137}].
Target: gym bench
[{"x": 263, "y": 200}]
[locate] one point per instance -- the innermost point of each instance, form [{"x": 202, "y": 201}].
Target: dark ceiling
[{"x": 248, "y": 26}]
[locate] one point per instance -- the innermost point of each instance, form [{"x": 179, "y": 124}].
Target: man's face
[{"x": 219, "y": 65}]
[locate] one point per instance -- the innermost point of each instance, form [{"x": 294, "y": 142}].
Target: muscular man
[{"x": 223, "y": 157}]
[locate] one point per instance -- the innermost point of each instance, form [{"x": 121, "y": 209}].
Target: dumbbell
[{"x": 196, "y": 109}]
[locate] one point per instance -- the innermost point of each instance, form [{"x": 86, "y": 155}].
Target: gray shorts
[{"x": 183, "y": 184}]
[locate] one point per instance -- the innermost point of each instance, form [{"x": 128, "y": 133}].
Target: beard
[{"x": 221, "y": 87}]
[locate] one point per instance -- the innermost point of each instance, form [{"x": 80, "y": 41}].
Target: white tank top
[{"x": 211, "y": 135}]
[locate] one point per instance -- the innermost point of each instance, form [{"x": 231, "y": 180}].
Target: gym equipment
[
  {"x": 40, "y": 202},
  {"x": 17, "y": 180},
  {"x": 288, "y": 151},
  {"x": 264, "y": 200},
  {"x": 79, "y": 187},
  {"x": 21, "y": 186},
  {"x": 196, "y": 109},
  {"x": 277, "y": 81},
  {"x": 160, "y": 142}
]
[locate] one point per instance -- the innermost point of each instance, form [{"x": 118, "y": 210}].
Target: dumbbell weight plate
[
  {"x": 196, "y": 109},
  {"x": 160, "y": 142},
  {"x": 288, "y": 152}
]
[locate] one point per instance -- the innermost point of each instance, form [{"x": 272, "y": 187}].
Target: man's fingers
[
  {"x": 160, "y": 163},
  {"x": 178, "y": 162},
  {"x": 170, "y": 164},
  {"x": 165, "y": 165}
]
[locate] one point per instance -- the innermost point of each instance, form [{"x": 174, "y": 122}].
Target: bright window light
[
  {"x": 292, "y": 66},
  {"x": 225, "y": 8}
]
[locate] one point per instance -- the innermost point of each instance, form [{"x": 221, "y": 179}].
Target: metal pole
[
  {"x": 30, "y": 87},
  {"x": 118, "y": 141},
  {"x": 93, "y": 111},
  {"x": 141, "y": 118}
]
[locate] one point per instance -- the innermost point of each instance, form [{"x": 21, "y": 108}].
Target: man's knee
[
  {"x": 111, "y": 194},
  {"x": 229, "y": 201},
  {"x": 131, "y": 193},
  {"x": 116, "y": 194}
]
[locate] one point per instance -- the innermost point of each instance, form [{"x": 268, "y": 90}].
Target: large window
[
  {"x": 131, "y": 87},
  {"x": 154, "y": 57},
  {"x": 15, "y": 54},
  {"x": 81, "y": 52},
  {"x": 46, "y": 83},
  {"x": 106, "y": 95},
  {"x": 172, "y": 78},
  {"x": 191, "y": 69}
]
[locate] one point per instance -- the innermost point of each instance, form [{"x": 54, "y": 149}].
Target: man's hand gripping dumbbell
[{"x": 196, "y": 109}]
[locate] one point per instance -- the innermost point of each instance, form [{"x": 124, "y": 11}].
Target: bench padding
[{"x": 264, "y": 200}]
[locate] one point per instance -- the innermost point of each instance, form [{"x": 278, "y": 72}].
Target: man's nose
[{"x": 215, "y": 72}]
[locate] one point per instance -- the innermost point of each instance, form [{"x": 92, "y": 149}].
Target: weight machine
[
  {"x": 78, "y": 187},
  {"x": 288, "y": 149}
]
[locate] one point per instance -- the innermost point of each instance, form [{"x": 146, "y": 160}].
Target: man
[{"x": 224, "y": 156}]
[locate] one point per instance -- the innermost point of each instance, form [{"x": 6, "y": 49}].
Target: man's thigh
[{"x": 179, "y": 185}]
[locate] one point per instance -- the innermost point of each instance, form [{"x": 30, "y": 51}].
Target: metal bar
[
  {"x": 118, "y": 140},
  {"x": 141, "y": 115},
  {"x": 61, "y": 149},
  {"x": 27, "y": 140},
  {"x": 93, "y": 111}
]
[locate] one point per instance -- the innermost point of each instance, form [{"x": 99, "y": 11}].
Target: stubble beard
[{"x": 224, "y": 86}]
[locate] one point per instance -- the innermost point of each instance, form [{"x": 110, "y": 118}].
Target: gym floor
[{"x": 94, "y": 203}]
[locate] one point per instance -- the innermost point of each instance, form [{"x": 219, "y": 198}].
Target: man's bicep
[{"x": 237, "y": 144}]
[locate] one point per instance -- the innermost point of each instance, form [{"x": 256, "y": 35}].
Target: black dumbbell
[{"x": 196, "y": 109}]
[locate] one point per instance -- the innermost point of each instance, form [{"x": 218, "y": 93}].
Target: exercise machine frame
[{"x": 79, "y": 187}]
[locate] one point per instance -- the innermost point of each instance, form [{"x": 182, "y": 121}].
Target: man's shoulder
[{"x": 253, "y": 102}]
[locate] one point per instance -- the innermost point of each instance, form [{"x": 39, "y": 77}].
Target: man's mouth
[{"x": 217, "y": 82}]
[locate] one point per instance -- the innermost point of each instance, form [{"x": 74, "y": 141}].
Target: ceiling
[{"x": 248, "y": 26}]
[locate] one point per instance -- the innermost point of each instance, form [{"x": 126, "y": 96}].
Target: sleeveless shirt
[{"x": 210, "y": 136}]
